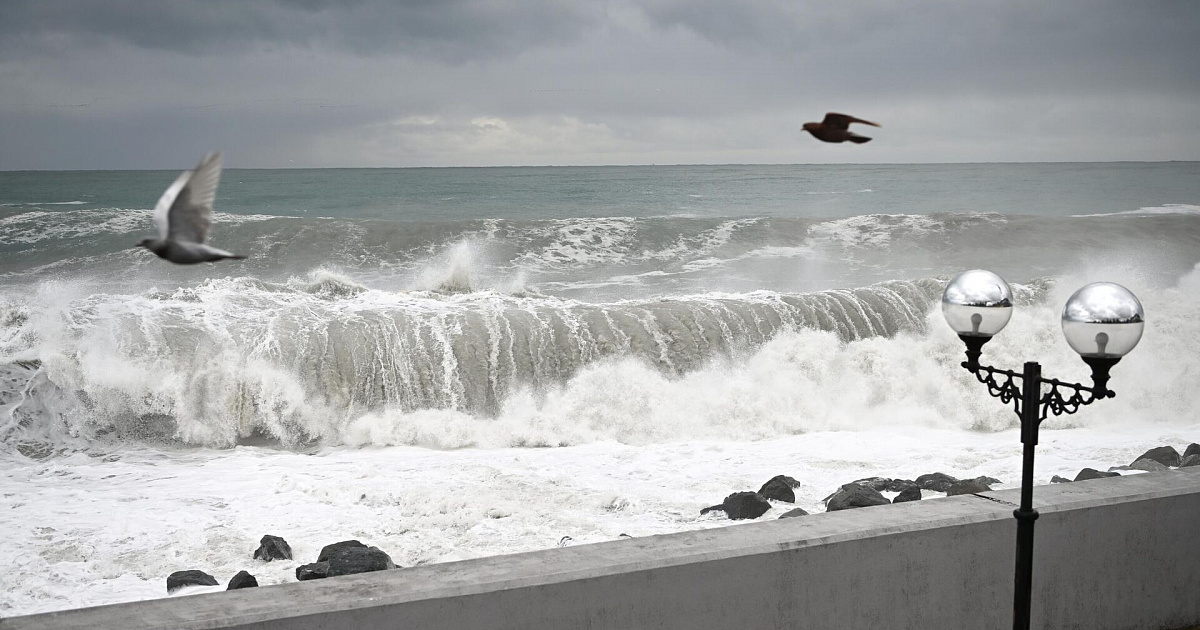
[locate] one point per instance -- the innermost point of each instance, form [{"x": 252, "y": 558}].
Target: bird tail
[{"x": 857, "y": 139}]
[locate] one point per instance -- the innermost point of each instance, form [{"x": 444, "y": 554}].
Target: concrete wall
[{"x": 1120, "y": 553}]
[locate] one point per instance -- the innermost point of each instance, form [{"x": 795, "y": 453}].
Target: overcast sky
[{"x": 279, "y": 83}]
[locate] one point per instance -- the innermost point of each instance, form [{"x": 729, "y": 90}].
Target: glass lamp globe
[
  {"x": 1103, "y": 320},
  {"x": 977, "y": 303}
]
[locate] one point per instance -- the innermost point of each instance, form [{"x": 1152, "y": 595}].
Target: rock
[
  {"x": 938, "y": 482},
  {"x": 242, "y": 580},
  {"x": 1092, "y": 473},
  {"x": 1192, "y": 449},
  {"x": 779, "y": 488},
  {"x": 329, "y": 550},
  {"x": 1165, "y": 455},
  {"x": 793, "y": 513},
  {"x": 351, "y": 560},
  {"x": 1147, "y": 465},
  {"x": 900, "y": 485},
  {"x": 910, "y": 494},
  {"x": 193, "y": 577},
  {"x": 991, "y": 481},
  {"x": 741, "y": 505},
  {"x": 1190, "y": 460},
  {"x": 1057, "y": 479},
  {"x": 314, "y": 571},
  {"x": 273, "y": 548},
  {"x": 878, "y": 484},
  {"x": 854, "y": 496},
  {"x": 968, "y": 486}
]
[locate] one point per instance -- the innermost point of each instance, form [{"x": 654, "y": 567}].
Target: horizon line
[{"x": 642, "y": 165}]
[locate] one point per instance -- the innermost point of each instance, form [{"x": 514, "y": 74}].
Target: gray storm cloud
[{"x": 371, "y": 83}]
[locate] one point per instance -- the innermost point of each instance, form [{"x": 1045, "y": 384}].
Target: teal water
[
  {"x": 1057, "y": 189},
  {"x": 416, "y": 291}
]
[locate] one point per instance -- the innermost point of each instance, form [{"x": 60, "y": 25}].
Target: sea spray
[{"x": 296, "y": 361}]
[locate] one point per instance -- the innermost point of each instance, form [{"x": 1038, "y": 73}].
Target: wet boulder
[
  {"x": 243, "y": 579},
  {"x": 1165, "y": 455},
  {"x": 1092, "y": 473},
  {"x": 1145, "y": 463},
  {"x": 328, "y": 550},
  {"x": 1190, "y": 460},
  {"x": 968, "y": 486},
  {"x": 900, "y": 485},
  {"x": 878, "y": 484},
  {"x": 854, "y": 496},
  {"x": 779, "y": 488},
  {"x": 908, "y": 494},
  {"x": 273, "y": 548},
  {"x": 352, "y": 560},
  {"x": 193, "y": 577},
  {"x": 1057, "y": 479},
  {"x": 792, "y": 513},
  {"x": 741, "y": 505},
  {"x": 314, "y": 571},
  {"x": 1192, "y": 449},
  {"x": 938, "y": 482}
]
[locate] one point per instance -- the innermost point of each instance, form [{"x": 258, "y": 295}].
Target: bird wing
[
  {"x": 190, "y": 213},
  {"x": 842, "y": 121},
  {"x": 164, "y": 203}
]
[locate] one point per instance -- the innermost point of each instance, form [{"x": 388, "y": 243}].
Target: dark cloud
[
  {"x": 450, "y": 30},
  {"x": 368, "y": 82}
]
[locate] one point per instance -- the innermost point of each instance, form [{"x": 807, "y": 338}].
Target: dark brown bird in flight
[{"x": 836, "y": 128}]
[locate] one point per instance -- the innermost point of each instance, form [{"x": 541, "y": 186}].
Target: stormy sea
[{"x": 454, "y": 363}]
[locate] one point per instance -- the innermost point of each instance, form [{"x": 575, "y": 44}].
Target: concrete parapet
[{"x": 1121, "y": 553}]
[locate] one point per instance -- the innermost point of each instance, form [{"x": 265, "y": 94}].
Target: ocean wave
[
  {"x": 1170, "y": 208},
  {"x": 41, "y": 225},
  {"x": 297, "y": 360},
  {"x": 322, "y": 359}
]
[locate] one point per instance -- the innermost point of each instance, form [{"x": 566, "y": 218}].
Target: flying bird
[
  {"x": 836, "y": 128},
  {"x": 184, "y": 215}
]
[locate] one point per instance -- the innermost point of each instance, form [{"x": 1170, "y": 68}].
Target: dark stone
[
  {"x": 910, "y": 494},
  {"x": 1092, "y": 473},
  {"x": 938, "y": 482},
  {"x": 1165, "y": 455},
  {"x": 741, "y": 505},
  {"x": 991, "y": 481},
  {"x": 779, "y": 488},
  {"x": 242, "y": 580},
  {"x": 878, "y": 484},
  {"x": 328, "y": 550},
  {"x": 1192, "y": 449},
  {"x": 854, "y": 496},
  {"x": 180, "y": 579},
  {"x": 900, "y": 485},
  {"x": 793, "y": 513},
  {"x": 967, "y": 486},
  {"x": 272, "y": 548},
  {"x": 1057, "y": 479},
  {"x": 1145, "y": 463},
  {"x": 314, "y": 571},
  {"x": 351, "y": 560},
  {"x": 1190, "y": 460}
]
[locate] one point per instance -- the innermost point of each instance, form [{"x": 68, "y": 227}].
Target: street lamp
[{"x": 1102, "y": 321}]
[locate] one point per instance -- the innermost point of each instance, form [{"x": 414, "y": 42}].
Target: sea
[{"x": 450, "y": 363}]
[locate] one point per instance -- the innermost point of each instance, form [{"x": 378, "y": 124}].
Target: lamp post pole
[
  {"x": 1102, "y": 321},
  {"x": 1026, "y": 515}
]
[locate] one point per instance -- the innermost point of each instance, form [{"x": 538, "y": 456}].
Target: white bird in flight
[{"x": 184, "y": 215}]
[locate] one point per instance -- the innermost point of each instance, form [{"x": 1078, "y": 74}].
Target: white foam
[
  {"x": 85, "y": 530},
  {"x": 646, "y": 450},
  {"x": 41, "y": 225},
  {"x": 1170, "y": 208}
]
